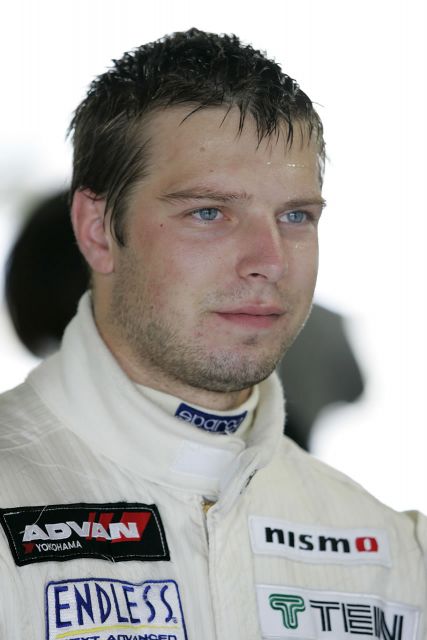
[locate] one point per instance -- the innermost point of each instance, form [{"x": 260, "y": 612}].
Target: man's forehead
[
  {"x": 172, "y": 125},
  {"x": 204, "y": 149}
]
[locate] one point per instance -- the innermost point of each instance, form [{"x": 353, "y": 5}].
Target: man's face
[{"x": 220, "y": 262}]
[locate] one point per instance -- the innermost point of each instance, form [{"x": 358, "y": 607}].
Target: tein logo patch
[
  {"x": 289, "y": 612},
  {"x": 117, "y": 531},
  {"x": 106, "y": 609}
]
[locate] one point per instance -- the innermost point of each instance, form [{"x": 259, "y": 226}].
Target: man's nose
[{"x": 262, "y": 251}]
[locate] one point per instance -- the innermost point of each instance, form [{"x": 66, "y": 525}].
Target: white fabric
[
  {"x": 78, "y": 431},
  {"x": 171, "y": 403}
]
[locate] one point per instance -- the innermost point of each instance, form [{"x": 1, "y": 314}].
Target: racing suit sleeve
[{"x": 420, "y": 531}]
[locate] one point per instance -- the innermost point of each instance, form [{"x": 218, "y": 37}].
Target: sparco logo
[
  {"x": 209, "y": 421},
  {"x": 119, "y": 531},
  {"x": 107, "y": 609},
  {"x": 305, "y": 613},
  {"x": 318, "y": 544}
]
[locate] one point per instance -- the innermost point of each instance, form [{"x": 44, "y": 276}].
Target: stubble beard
[
  {"x": 158, "y": 346},
  {"x": 217, "y": 370}
]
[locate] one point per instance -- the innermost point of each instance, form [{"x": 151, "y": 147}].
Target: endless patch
[
  {"x": 106, "y": 609},
  {"x": 117, "y": 531}
]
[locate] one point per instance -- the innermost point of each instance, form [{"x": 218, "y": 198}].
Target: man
[{"x": 147, "y": 490}]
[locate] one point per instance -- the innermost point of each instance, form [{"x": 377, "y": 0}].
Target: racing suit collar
[
  {"x": 223, "y": 423},
  {"x": 94, "y": 398}
]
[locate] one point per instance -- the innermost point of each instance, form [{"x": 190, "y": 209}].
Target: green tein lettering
[{"x": 289, "y": 606}]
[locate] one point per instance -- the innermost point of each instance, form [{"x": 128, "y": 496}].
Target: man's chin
[{"x": 220, "y": 379}]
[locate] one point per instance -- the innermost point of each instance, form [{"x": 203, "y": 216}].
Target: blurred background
[{"x": 364, "y": 64}]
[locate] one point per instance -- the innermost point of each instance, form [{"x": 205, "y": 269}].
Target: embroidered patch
[
  {"x": 117, "y": 531},
  {"x": 106, "y": 609},
  {"x": 288, "y": 612},
  {"x": 209, "y": 421},
  {"x": 308, "y": 543}
]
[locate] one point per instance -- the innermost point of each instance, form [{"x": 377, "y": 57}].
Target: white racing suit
[{"x": 105, "y": 534}]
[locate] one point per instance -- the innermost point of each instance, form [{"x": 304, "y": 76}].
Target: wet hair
[{"x": 192, "y": 68}]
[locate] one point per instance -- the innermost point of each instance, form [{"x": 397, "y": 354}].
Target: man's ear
[{"x": 92, "y": 231}]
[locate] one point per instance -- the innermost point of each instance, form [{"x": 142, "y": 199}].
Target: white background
[{"x": 365, "y": 64}]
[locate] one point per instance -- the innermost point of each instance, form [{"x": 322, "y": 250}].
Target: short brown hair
[{"x": 195, "y": 68}]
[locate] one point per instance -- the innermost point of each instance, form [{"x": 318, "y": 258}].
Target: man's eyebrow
[
  {"x": 305, "y": 202},
  {"x": 203, "y": 193}
]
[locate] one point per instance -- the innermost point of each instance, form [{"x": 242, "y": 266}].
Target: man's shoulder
[
  {"x": 24, "y": 419},
  {"x": 325, "y": 493},
  {"x": 38, "y": 450},
  {"x": 314, "y": 470},
  {"x": 18, "y": 406}
]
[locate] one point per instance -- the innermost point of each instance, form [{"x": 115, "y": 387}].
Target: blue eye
[
  {"x": 296, "y": 217},
  {"x": 206, "y": 214}
]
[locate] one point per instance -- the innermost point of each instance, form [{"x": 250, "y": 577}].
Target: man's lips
[
  {"x": 254, "y": 310},
  {"x": 252, "y": 316}
]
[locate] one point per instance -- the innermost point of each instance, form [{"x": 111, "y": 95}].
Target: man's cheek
[{"x": 166, "y": 302}]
